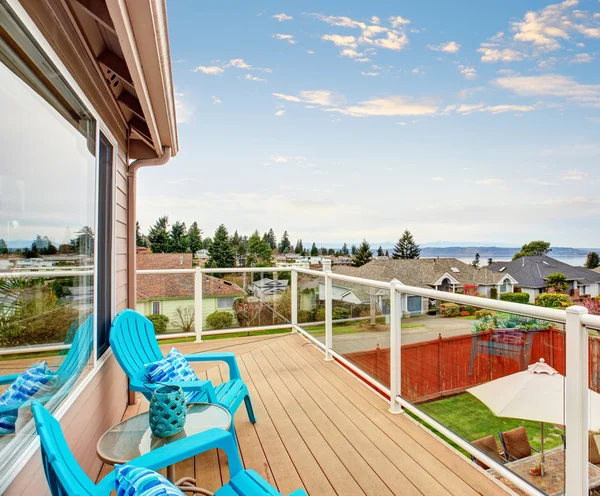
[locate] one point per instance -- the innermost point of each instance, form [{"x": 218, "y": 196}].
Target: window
[
  {"x": 502, "y": 269},
  {"x": 454, "y": 269},
  {"x": 225, "y": 302},
  {"x": 48, "y": 181},
  {"x": 156, "y": 307}
]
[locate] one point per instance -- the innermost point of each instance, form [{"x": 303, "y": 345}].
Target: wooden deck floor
[{"x": 320, "y": 428}]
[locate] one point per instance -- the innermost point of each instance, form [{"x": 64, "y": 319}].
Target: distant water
[{"x": 575, "y": 261}]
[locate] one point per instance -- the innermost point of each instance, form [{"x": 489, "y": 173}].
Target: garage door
[{"x": 414, "y": 304}]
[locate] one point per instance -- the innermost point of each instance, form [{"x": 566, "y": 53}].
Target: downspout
[{"x": 132, "y": 218}]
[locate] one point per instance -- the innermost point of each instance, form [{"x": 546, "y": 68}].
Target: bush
[
  {"x": 320, "y": 314},
  {"x": 464, "y": 313},
  {"x": 339, "y": 313},
  {"x": 480, "y": 314},
  {"x": 449, "y": 310},
  {"x": 515, "y": 297},
  {"x": 160, "y": 322},
  {"x": 304, "y": 316},
  {"x": 219, "y": 320},
  {"x": 494, "y": 293},
  {"x": 553, "y": 300},
  {"x": 469, "y": 309}
]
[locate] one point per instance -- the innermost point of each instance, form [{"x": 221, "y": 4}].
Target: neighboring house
[
  {"x": 165, "y": 293},
  {"x": 531, "y": 272},
  {"x": 342, "y": 261},
  {"x": 202, "y": 254},
  {"x": 444, "y": 274},
  {"x": 267, "y": 289}
]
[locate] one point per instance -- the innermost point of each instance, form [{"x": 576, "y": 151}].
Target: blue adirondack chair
[
  {"x": 66, "y": 478},
  {"x": 68, "y": 371},
  {"x": 134, "y": 344}
]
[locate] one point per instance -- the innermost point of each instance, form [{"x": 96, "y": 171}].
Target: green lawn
[
  {"x": 471, "y": 419},
  {"x": 347, "y": 329}
]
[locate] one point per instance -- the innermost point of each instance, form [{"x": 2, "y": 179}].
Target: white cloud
[
  {"x": 416, "y": 70},
  {"x": 467, "y": 92},
  {"x": 469, "y": 108},
  {"x": 398, "y": 21},
  {"x": 539, "y": 182},
  {"x": 491, "y": 181},
  {"x": 182, "y": 110},
  {"x": 375, "y": 20},
  {"x": 547, "y": 64},
  {"x": 467, "y": 72},
  {"x": 351, "y": 53},
  {"x": 340, "y": 40},
  {"x": 573, "y": 175},
  {"x": 210, "y": 70},
  {"x": 437, "y": 178},
  {"x": 250, "y": 77},
  {"x": 286, "y": 37},
  {"x": 279, "y": 113},
  {"x": 544, "y": 28},
  {"x": 370, "y": 74},
  {"x": 391, "y": 106},
  {"x": 554, "y": 85},
  {"x": 449, "y": 47},
  {"x": 310, "y": 52},
  {"x": 282, "y": 17},
  {"x": 313, "y": 97},
  {"x": 242, "y": 64},
  {"x": 492, "y": 55},
  {"x": 582, "y": 58},
  {"x": 216, "y": 100}
]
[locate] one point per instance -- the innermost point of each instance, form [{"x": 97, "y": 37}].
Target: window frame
[
  {"x": 28, "y": 444},
  {"x": 219, "y": 300},
  {"x": 159, "y": 303}
]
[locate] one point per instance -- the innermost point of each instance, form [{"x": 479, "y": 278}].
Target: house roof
[
  {"x": 531, "y": 272},
  {"x": 423, "y": 272},
  {"x": 169, "y": 261},
  {"x": 177, "y": 285},
  {"x": 267, "y": 282}
]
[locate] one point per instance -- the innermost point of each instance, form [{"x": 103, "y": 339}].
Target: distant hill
[{"x": 496, "y": 251}]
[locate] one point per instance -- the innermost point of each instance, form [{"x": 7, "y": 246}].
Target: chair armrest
[
  {"x": 185, "y": 448},
  {"x": 187, "y": 387},
  {"x": 107, "y": 485},
  {"x": 299, "y": 492},
  {"x": 8, "y": 379},
  {"x": 225, "y": 356}
]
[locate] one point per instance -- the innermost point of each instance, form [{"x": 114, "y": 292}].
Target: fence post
[
  {"x": 328, "y": 317},
  {"x": 576, "y": 403},
  {"x": 395, "y": 345},
  {"x": 198, "y": 304},
  {"x": 294, "y": 299}
]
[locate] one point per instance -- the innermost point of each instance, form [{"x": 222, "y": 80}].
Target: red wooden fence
[{"x": 437, "y": 368}]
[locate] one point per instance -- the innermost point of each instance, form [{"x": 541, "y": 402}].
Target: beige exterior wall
[
  {"x": 120, "y": 229},
  {"x": 99, "y": 407}
]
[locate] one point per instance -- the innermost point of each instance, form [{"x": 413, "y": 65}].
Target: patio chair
[
  {"x": 68, "y": 371},
  {"x": 66, "y": 478},
  {"x": 515, "y": 444},
  {"x": 134, "y": 344},
  {"x": 489, "y": 446}
]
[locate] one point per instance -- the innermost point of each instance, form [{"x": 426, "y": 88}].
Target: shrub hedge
[
  {"x": 480, "y": 314},
  {"x": 160, "y": 322},
  {"x": 339, "y": 313},
  {"x": 553, "y": 300},
  {"x": 219, "y": 320},
  {"x": 515, "y": 297},
  {"x": 449, "y": 310}
]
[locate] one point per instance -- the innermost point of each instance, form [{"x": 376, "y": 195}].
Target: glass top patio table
[
  {"x": 133, "y": 437},
  {"x": 553, "y": 481}
]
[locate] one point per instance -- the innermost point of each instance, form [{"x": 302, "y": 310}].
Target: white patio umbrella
[{"x": 537, "y": 394}]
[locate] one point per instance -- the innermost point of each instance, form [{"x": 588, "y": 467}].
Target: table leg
[{"x": 171, "y": 473}]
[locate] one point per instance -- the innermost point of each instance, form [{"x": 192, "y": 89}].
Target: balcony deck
[{"x": 320, "y": 428}]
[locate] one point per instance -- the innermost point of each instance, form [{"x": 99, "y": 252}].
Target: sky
[{"x": 337, "y": 121}]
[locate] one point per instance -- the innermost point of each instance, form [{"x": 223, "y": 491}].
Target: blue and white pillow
[
  {"x": 139, "y": 481},
  {"x": 38, "y": 380},
  {"x": 174, "y": 368}
]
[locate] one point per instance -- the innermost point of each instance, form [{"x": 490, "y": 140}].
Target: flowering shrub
[
  {"x": 511, "y": 322},
  {"x": 553, "y": 300},
  {"x": 470, "y": 289},
  {"x": 449, "y": 310},
  {"x": 593, "y": 305}
]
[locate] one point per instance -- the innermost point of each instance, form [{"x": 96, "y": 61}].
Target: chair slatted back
[
  {"x": 80, "y": 351},
  {"x": 133, "y": 341},
  {"x": 64, "y": 475}
]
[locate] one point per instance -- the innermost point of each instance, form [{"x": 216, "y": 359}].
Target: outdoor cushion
[
  {"x": 23, "y": 388},
  {"x": 516, "y": 443},
  {"x": 594, "y": 452},
  {"x": 489, "y": 446},
  {"x": 173, "y": 368},
  {"x": 139, "y": 481}
]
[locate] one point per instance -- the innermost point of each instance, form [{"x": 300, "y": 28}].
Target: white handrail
[{"x": 43, "y": 274}]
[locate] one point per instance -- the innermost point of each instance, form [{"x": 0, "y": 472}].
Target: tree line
[{"x": 227, "y": 250}]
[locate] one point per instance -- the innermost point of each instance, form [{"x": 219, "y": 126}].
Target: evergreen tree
[
  {"x": 380, "y": 252},
  {"x": 387, "y": 253},
  {"x": 323, "y": 251},
  {"x": 331, "y": 252},
  {"x": 259, "y": 250},
  {"x": 206, "y": 243},
  {"x": 273, "y": 240},
  {"x": 406, "y": 247},
  {"x": 363, "y": 254},
  {"x": 139, "y": 239},
  {"x": 285, "y": 242},
  {"x": 490, "y": 261},
  {"x": 195, "y": 237},
  {"x": 345, "y": 250},
  {"x": 3, "y": 247},
  {"x": 179, "y": 241},
  {"x": 533, "y": 249},
  {"x": 314, "y": 251},
  {"x": 591, "y": 262},
  {"x": 221, "y": 252},
  {"x": 299, "y": 248},
  {"x": 353, "y": 250},
  {"x": 476, "y": 261},
  {"x": 158, "y": 235},
  {"x": 83, "y": 242}
]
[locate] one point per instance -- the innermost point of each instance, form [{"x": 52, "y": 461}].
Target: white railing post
[
  {"x": 294, "y": 316},
  {"x": 328, "y": 317},
  {"x": 576, "y": 404},
  {"x": 198, "y": 304},
  {"x": 395, "y": 345}
]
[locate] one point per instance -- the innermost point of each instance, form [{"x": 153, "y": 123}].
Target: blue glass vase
[{"x": 168, "y": 410}]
